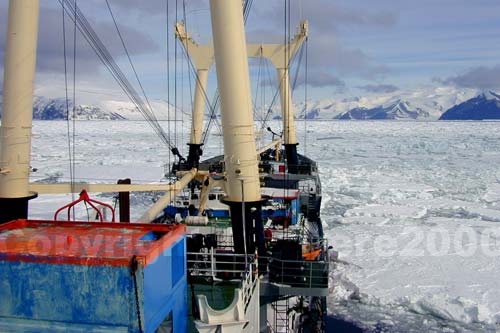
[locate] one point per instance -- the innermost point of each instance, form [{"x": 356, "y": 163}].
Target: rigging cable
[
  {"x": 263, "y": 92},
  {"x": 93, "y": 38},
  {"x": 189, "y": 76},
  {"x": 70, "y": 155},
  {"x": 212, "y": 116},
  {"x": 190, "y": 63},
  {"x": 272, "y": 105},
  {"x": 274, "y": 100},
  {"x": 296, "y": 76},
  {"x": 284, "y": 99},
  {"x": 305, "y": 95},
  {"x": 175, "y": 77},
  {"x": 103, "y": 54},
  {"x": 286, "y": 106},
  {"x": 257, "y": 88},
  {"x": 183, "y": 74},
  {"x": 288, "y": 59},
  {"x": 214, "y": 106},
  {"x": 211, "y": 106},
  {"x": 74, "y": 104},
  {"x": 168, "y": 78},
  {"x": 192, "y": 67},
  {"x": 128, "y": 54},
  {"x": 288, "y": 65}
]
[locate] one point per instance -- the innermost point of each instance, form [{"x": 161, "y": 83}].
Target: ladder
[{"x": 281, "y": 319}]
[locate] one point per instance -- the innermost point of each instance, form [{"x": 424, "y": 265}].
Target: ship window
[
  {"x": 194, "y": 196},
  {"x": 167, "y": 325},
  {"x": 211, "y": 197}
]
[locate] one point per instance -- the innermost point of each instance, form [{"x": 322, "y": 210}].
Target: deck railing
[
  {"x": 219, "y": 266},
  {"x": 299, "y": 273}
]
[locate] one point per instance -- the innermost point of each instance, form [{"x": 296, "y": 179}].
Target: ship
[{"x": 235, "y": 245}]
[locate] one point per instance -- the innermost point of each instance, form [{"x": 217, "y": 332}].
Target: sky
[{"x": 355, "y": 47}]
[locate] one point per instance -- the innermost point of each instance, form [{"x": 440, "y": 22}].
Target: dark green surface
[{"x": 219, "y": 296}]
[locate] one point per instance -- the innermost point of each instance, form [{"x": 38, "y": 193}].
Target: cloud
[
  {"x": 477, "y": 78},
  {"x": 147, "y": 9},
  {"x": 325, "y": 53},
  {"x": 156, "y": 7},
  {"x": 325, "y": 19},
  {"x": 321, "y": 79},
  {"x": 328, "y": 16},
  {"x": 325, "y": 16},
  {"x": 379, "y": 88},
  {"x": 263, "y": 36},
  {"x": 142, "y": 24},
  {"x": 316, "y": 79},
  {"x": 50, "y": 56}
]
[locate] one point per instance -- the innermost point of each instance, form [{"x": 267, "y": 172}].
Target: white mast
[
  {"x": 15, "y": 132},
  {"x": 281, "y": 55},
  {"x": 240, "y": 156},
  {"x": 203, "y": 59},
  {"x": 236, "y": 105}
]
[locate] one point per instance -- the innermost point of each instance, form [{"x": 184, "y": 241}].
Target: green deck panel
[{"x": 219, "y": 296}]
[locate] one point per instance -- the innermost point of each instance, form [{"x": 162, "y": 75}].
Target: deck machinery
[{"x": 290, "y": 254}]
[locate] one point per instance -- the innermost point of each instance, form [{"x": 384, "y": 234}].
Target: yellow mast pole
[
  {"x": 203, "y": 58},
  {"x": 231, "y": 59},
  {"x": 15, "y": 132}
]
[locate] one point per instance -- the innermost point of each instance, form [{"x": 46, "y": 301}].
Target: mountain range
[
  {"x": 425, "y": 104},
  {"x": 481, "y": 107},
  {"x": 397, "y": 110},
  {"x": 57, "y": 109},
  {"x": 431, "y": 104}
]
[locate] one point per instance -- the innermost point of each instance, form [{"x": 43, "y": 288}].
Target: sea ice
[{"x": 412, "y": 208}]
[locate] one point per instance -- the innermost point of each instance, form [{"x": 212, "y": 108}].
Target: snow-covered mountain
[
  {"x": 332, "y": 108},
  {"x": 425, "y": 104},
  {"x": 397, "y": 110},
  {"x": 51, "y": 109},
  {"x": 484, "y": 106},
  {"x": 56, "y": 108},
  {"x": 161, "y": 109}
]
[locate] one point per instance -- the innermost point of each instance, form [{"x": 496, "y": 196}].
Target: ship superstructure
[{"x": 253, "y": 256}]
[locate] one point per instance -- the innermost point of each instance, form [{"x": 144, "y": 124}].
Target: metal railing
[
  {"x": 249, "y": 284},
  {"x": 299, "y": 273},
  {"x": 220, "y": 266},
  {"x": 217, "y": 264}
]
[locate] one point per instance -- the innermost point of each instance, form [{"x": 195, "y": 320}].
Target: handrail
[
  {"x": 301, "y": 272},
  {"x": 249, "y": 284},
  {"x": 84, "y": 196},
  {"x": 248, "y": 278}
]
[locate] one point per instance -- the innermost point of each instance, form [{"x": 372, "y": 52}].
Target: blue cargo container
[{"x": 92, "y": 277}]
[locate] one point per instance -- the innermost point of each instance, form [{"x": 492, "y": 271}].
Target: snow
[
  {"x": 126, "y": 109},
  {"x": 420, "y": 104},
  {"x": 430, "y": 102},
  {"x": 414, "y": 211},
  {"x": 490, "y": 95},
  {"x": 413, "y": 208}
]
